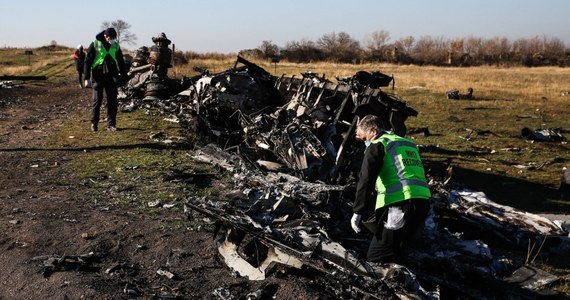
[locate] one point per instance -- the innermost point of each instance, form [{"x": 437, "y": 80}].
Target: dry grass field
[{"x": 480, "y": 138}]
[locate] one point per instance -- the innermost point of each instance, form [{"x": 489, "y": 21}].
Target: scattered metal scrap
[
  {"x": 54, "y": 263},
  {"x": 148, "y": 73},
  {"x": 306, "y": 223},
  {"x": 305, "y": 124},
  {"x": 293, "y": 159},
  {"x": 456, "y": 95},
  {"x": 8, "y": 85},
  {"x": 543, "y": 135}
]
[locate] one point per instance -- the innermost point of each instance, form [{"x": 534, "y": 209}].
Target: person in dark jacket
[
  {"x": 79, "y": 57},
  {"x": 105, "y": 67},
  {"x": 392, "y": 180}
]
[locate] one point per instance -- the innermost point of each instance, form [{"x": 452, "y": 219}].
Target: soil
[{"x": 53, "y": 248}]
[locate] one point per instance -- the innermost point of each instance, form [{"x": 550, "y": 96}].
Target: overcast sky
[{"x": 227, "y": 26}]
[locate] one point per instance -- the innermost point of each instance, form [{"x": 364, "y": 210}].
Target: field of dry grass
[
  {"x": 481, "y": 137},
  {"x": 54, "y": 64}
]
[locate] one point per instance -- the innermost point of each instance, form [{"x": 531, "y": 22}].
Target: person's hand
[
  {"x": 87, "y": 83},
  {"x": 354, "y": 221}
]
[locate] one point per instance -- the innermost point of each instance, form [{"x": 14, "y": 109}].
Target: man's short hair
[
  {"x": 369, "y": 122},
  {"x": 111, "y": 32}
]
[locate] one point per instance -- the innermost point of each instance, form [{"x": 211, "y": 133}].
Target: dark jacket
[
  {"x": 105, "y": 74},
  {"x": 372, "y": 162},
  {"x": 79, "y": 57}
]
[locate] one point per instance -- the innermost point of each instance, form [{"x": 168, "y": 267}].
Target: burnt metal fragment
[
  {"x": 454, "y": 252},
  {"x": 289, "y": 143}
]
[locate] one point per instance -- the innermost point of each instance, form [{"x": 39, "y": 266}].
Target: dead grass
[
  {"x": 128, "y": 168},
  {"x": 481, "y": 138},
  {"x": 56, "y": 65}
]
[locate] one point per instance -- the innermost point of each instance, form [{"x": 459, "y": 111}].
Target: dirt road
[{"x": 54, "y": 245}]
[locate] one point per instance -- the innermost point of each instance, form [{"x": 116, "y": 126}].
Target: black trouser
[
  {"x": 112, "y": 104},
  {"x": 387, "y": 244},
  {"x": 80, "y": 77}
]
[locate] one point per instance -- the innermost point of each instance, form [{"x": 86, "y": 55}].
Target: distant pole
[
  {"x": 172, "y": 58},
  {"x": 275, "y": 60},
  {"x": 29, "y": 53}
]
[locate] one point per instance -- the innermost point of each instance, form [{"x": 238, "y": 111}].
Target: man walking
[
  {"x": 105, "y": 66},
  {"x": 391, "y": 166},
  {"x": 79, "y": 57}
]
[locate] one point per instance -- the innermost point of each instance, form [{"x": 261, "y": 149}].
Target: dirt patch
[{"x": 56, "y": 245}]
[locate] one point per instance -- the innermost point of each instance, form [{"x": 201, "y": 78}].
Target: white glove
[
  {"x": 395, "y": 218},
  {"x": 87, "y": 83},
  {"x": 354, "y": 221}
]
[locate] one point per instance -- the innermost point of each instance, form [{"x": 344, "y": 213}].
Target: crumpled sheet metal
[
  {"x": 459, "y": 262},
  {"x": 531, "y": 278},
  {"x": 455, "y": 260},
  {"x": 536, "y": 223},
  {"x": 307, "y": 124},
  {"x": 229, "y": 251},
  {"x": 512, "y": 225},
  {"x": 543, "y": 135}
]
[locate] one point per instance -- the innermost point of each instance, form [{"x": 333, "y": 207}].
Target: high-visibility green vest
[
  {"x": 102, "y": 52},
  {"x": 402, "y": 176}
]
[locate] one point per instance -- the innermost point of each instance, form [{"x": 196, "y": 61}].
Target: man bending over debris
[{"x": 393, "y": 166}]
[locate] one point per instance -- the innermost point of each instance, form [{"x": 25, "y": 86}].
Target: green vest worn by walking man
[
  {"x": 102, "y": 52},
  {"x": 402, "y": 176}
]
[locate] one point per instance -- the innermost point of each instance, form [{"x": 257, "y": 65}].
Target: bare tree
[
  {"x": 303, "y": 51},
  {"x": 455, "y": 51},
  {"x": 268, "y": 49},
  {"x": 494, "y": 51},
  {"x": 521, "y": 50},
  {"x": 474, "y": 46},
  {"x": 376, "y": 44},
  {"x": 339, "y": 47},
  {"x": 124, "y": 35},
  {"x": 554, "y": 50},
  {"x": 406, "y": 44},
  {"x": 403, "y": 49}
]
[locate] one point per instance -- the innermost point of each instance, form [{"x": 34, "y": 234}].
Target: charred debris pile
[{"x": 289, "y": 143}]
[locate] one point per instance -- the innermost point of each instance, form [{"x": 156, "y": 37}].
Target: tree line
[{"x": 426, "y": 50}]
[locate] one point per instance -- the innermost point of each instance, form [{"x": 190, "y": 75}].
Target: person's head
[
  {"x": 369, "y": 127},
  {"x": 79, "y": 47},
  {"x": 110, "y": 33}
]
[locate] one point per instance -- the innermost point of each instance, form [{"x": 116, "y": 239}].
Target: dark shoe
[
  {"x": 111, "y": 128},
  {"x": 94, "y": 127}
]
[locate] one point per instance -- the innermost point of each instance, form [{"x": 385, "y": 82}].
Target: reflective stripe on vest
[
  {"x": 102, "y": 52},
  {"x": 402, "y": 176}
]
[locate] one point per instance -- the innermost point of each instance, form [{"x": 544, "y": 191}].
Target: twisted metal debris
[{"x": 289, "y": 143}]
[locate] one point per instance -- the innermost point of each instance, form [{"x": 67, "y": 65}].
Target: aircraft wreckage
[{"x": 290, "y": 144}]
